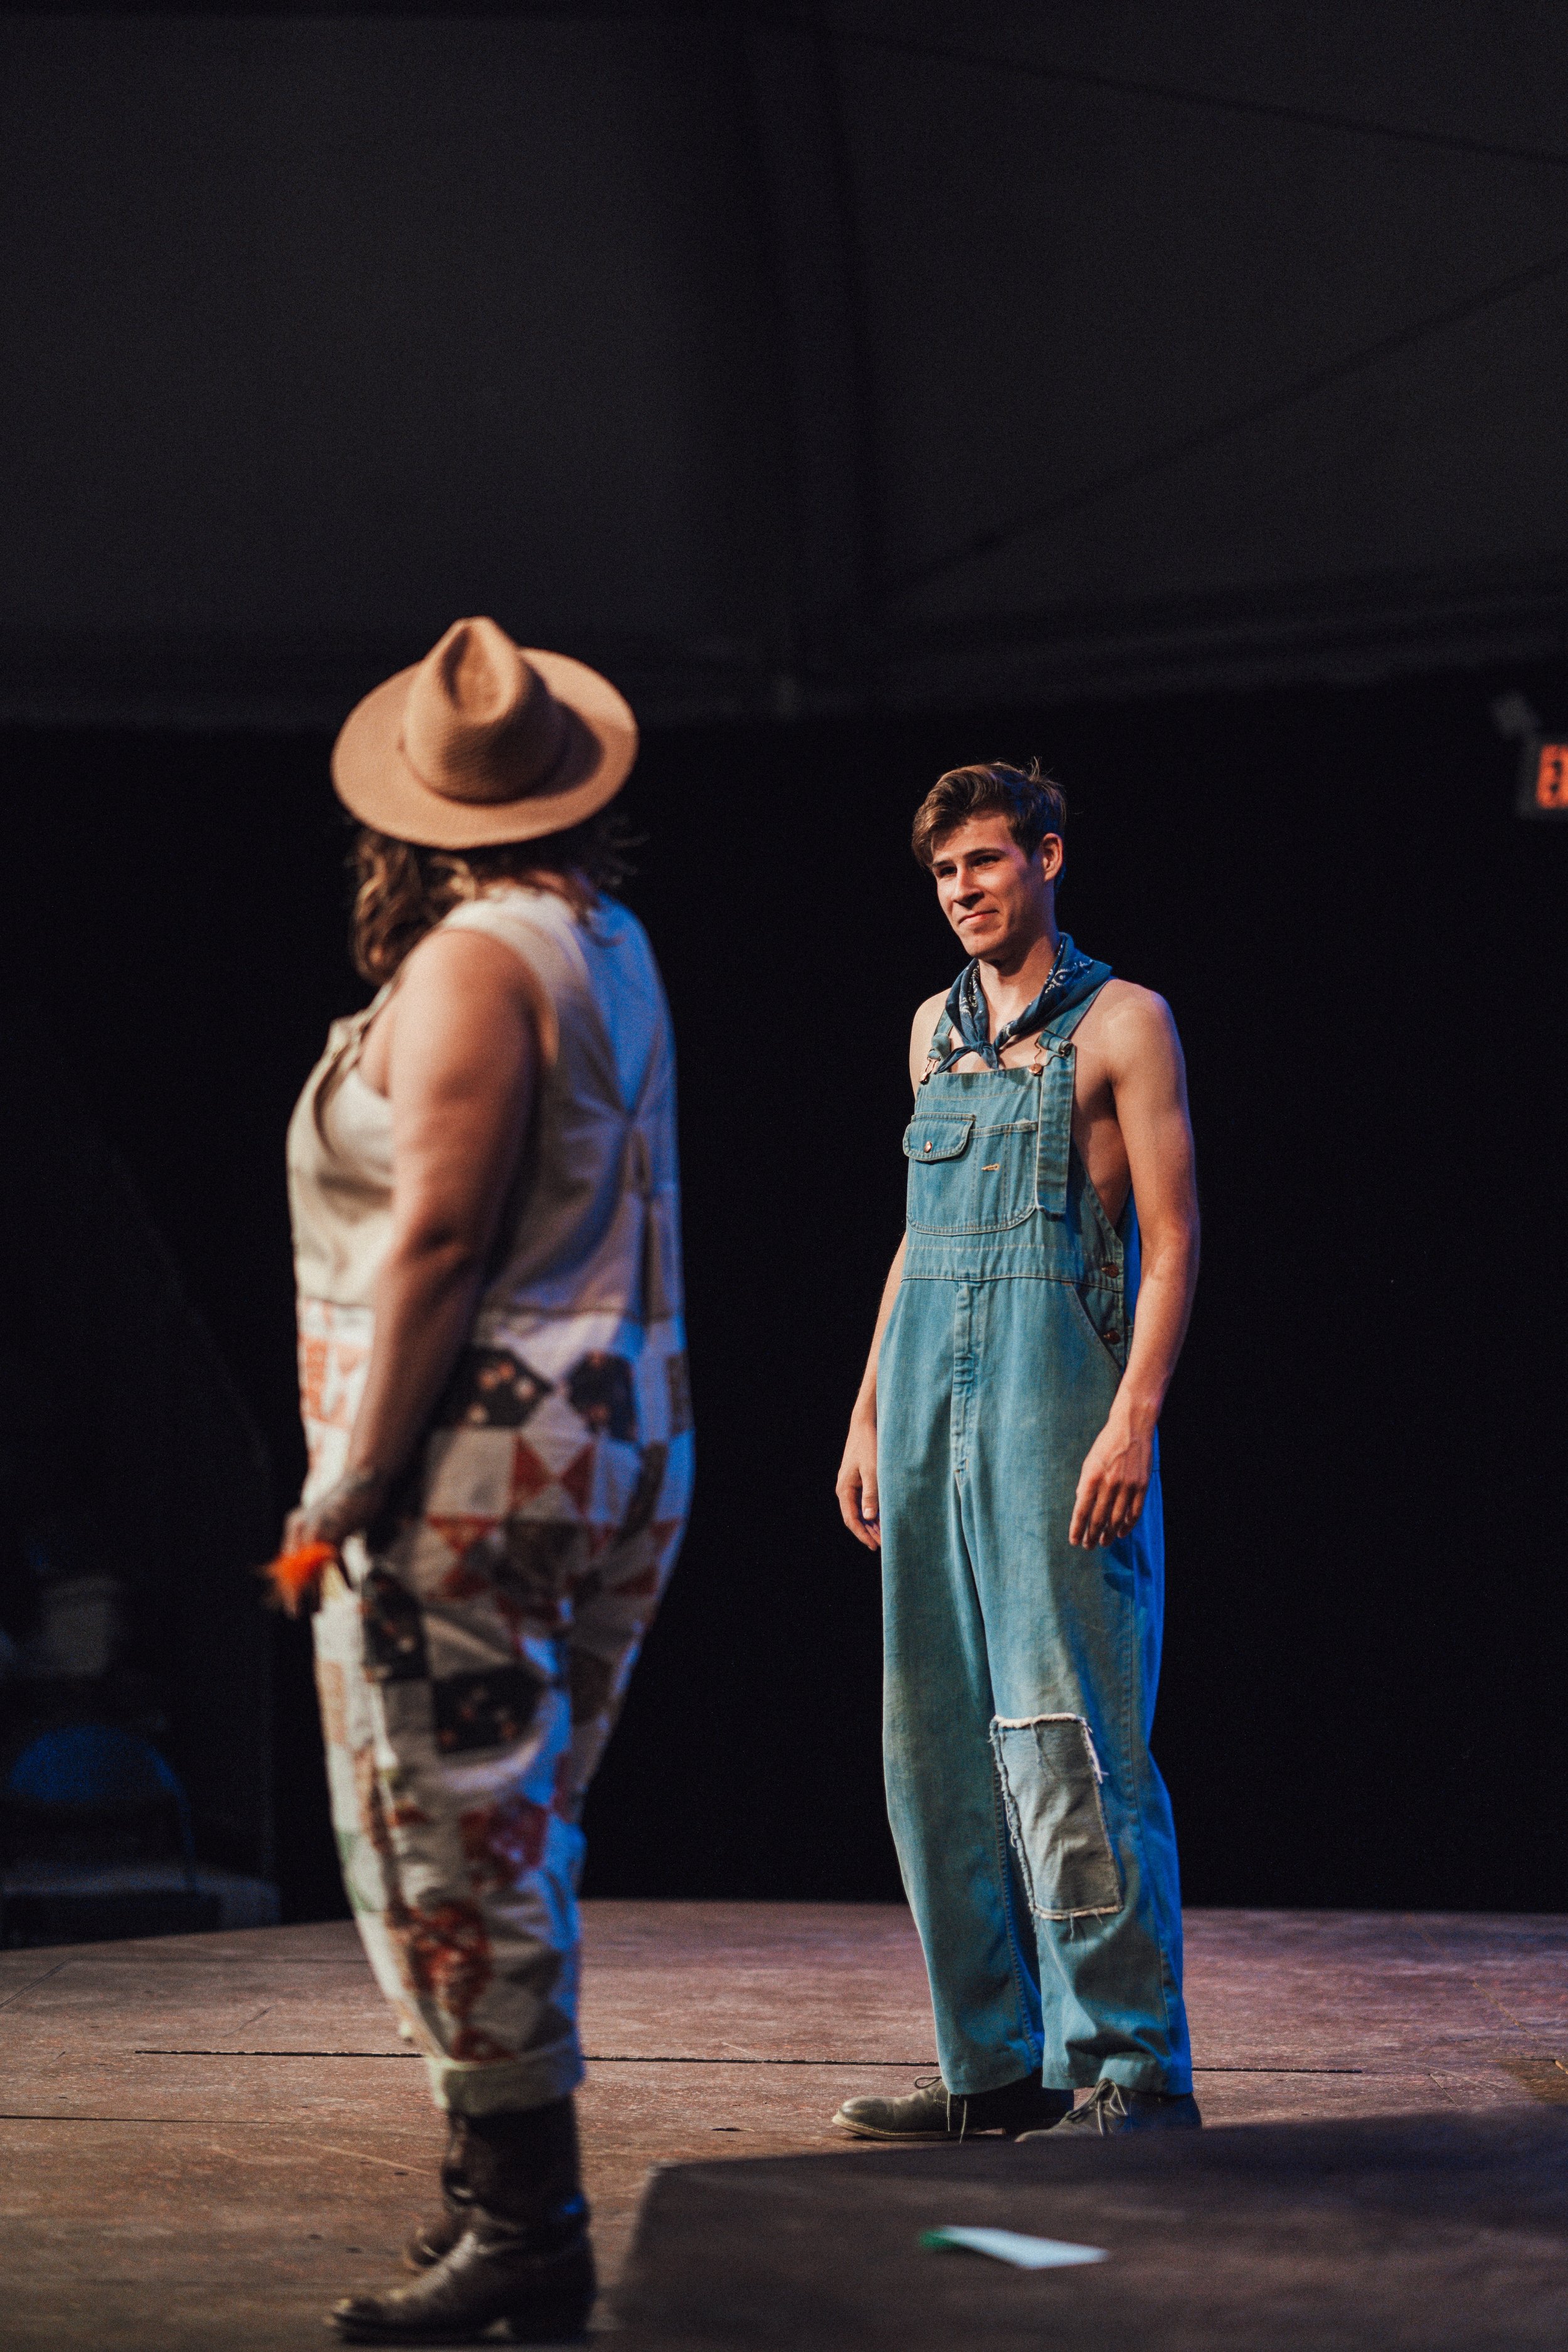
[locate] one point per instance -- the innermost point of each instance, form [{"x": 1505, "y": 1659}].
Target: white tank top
[{"x": 593, "y": 1224}]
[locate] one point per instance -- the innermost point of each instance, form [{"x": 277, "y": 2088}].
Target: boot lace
[
  {"x": 935, "y": 2082},
  {"x": 1102, "y": 2110}
]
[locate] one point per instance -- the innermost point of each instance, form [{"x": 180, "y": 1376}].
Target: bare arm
[
  {"x": 857, "y": 1487},
  {"x": 1148, "y": 1079},
  {"x": 462, "y": 1065},
  {"x": 859, "y": 1501}
]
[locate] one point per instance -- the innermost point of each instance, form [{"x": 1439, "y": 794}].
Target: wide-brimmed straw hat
[{"x": 484, "y": 741}]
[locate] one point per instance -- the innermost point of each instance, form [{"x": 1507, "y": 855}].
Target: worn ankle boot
[
  {"x": 931, "y": 2111},
  {"x": 1111, "y": 2109},
  {"x": 440, "y": 2234},
  {"x": 522, "y": 2254}
]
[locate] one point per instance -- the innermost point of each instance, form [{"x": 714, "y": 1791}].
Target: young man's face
[{"x": 997, "y": 901}]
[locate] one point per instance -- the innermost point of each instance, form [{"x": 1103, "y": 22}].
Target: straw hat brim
[{"x": 374, "y": 782}]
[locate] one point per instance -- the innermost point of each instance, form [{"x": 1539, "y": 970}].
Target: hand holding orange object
[
  {"x": 313, "y": 1534},
  {"x": 295, "y": 1576}
]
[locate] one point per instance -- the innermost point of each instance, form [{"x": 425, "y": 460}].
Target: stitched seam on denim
[
  {"x": 999, "y": 1799},
  {"x": 1027, "y": 1723},
  {"x": 1055, "y": 1203},
  {"x": 1105, "y": 1832},
  {"x": 1014, "y": 1830},
  {"x": 949, "y": 1274},
  {"x": 1015, "y": 1959},
  {"x": 953, "y": 1233},
  {"x": 961, "y": 1385},
  {"x": 1128, "y": 1681},
  {"x": 1099, "y": 1337},
  {"x": 1107, "y": 1910},
  {"x": 1001, "y": 1273}
]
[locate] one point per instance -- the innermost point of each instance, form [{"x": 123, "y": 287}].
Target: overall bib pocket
[{"x": 967, "y": 1176}]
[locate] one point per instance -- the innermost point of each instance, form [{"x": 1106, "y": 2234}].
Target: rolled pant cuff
[
  {"x": 463, "y": 2089},
  {"x": 1004, "y": 2074},
  {"x": 1144, "y": 2074}
]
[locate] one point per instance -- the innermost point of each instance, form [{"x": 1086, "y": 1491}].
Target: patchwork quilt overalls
[
  {"x": 1033, "y": 1828},
  {"x": 473, "y": 1657}
]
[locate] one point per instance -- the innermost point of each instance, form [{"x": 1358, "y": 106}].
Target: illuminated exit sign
[
  {"x": 1542, "y": 790},
  {"x": 1549, "y": 780}
]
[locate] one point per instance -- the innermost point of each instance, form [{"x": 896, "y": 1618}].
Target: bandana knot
[{"x": 1073, "y": 977}]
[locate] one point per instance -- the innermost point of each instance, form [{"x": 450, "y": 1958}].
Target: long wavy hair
[{"x": 402, "y": 891}]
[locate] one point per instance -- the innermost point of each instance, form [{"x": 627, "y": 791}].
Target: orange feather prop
[{"x": 293, "y": 1576}]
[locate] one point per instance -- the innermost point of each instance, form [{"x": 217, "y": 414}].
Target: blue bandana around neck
[{"x": 1073, "y": 977}]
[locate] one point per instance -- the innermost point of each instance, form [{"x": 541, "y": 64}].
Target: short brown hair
[
  {"x": 1032, "y": 804},
  {"x": 401, "y": 892}
]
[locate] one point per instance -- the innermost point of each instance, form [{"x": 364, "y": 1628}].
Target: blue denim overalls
[{"x": 1033, "y": 1828}]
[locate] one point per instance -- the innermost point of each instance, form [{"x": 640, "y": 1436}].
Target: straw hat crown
[{"x": 484, "y": 741}]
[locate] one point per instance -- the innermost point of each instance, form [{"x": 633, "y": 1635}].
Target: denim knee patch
[{"x": 1050, "y": 1779}]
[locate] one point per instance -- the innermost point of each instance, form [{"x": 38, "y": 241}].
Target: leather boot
[
  {"x": 437, "y": 2237},
  {"x": 522, "y": 2254},
  {"x": 1111, "y": 2109},
  {"x": 931, "y": 2111}
]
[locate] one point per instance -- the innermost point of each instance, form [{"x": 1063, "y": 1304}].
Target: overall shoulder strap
[
  {"x": 1066, "y": 1021},
  {"x": 1056, "y": 1080},
  {"x": 940, "y": 1045}
]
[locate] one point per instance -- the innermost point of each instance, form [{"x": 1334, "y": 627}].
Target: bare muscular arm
[
  {"x": 859, "y": 1501},
  {"x": 1148, "y": 1077},
  {"x": 461, "y": 1065},
  {"x": 857, "y": 1488}
]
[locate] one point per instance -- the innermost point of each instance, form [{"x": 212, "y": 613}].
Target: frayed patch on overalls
[{"x": 1050, "y": 1779}]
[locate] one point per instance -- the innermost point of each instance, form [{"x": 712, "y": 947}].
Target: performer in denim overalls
[{"x": 1003, "y": 1458}]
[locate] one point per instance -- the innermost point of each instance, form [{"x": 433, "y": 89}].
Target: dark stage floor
[{"x": 207, "y": 2139}]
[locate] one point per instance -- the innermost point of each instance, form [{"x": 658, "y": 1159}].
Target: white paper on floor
[{"x": 1012, "y": 2246}]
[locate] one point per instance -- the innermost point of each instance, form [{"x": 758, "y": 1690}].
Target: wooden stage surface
[{"x": 205, "y": 2140}]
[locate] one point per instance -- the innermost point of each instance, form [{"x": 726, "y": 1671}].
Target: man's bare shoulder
[
  {"x": 921, "y": 1032},
  {"x": 926, "y": 1019},
  {"x": 1127, "y": 1022}
]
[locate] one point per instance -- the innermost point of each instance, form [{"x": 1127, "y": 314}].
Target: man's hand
[
  {"x": 344, "y": 1510},
  {"x": 857, "y": 1487},
  {"x": 1112, "y": 1485}
]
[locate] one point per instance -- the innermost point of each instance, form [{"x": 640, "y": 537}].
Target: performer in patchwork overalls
[
  {"x": 1003, "y": 1458},
  {"x": 482, "y": 1174}
]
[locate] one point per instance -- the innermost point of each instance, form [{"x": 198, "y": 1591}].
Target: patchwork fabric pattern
[
  {"x": 599, "y": 1387},
  {"x": 484, "y": 1710},
  {"x": 472, "y": 1668},
  {"x": 489, "y": 1389},
  {"x": 333, "y": 1357},
  {"x": 394, "y": 1631}
]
